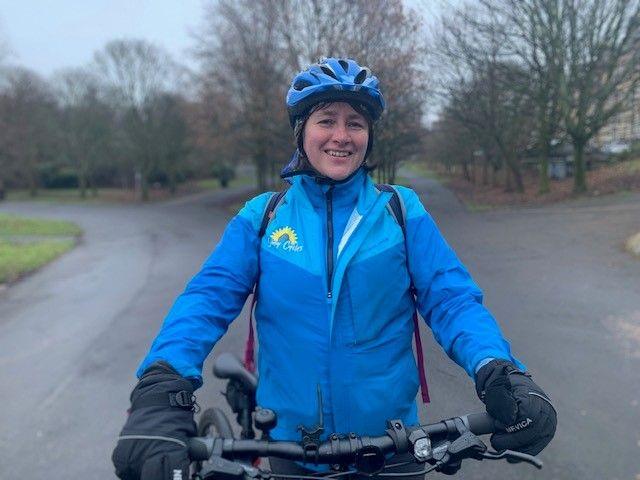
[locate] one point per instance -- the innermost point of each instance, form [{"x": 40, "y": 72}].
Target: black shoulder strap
[
  {"x": 273, "y": 203},
  {"x": 395, "y": 204}
]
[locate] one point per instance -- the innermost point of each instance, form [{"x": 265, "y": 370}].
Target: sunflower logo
[{"x": 288, "y": 232}]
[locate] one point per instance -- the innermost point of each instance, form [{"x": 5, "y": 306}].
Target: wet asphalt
[{"x": 557, "y": 278}]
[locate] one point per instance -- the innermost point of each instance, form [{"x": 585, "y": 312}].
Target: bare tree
[
  {"x": 240, "y": 59},
  {"x": 136, "y": 72},
  {"x": 249, "y": 51},
  {"x": 29, "y": 135},
  {"x": 532, "y": 31},
  {"x": 601, "y": 68},
  {"x": 4, "y": 117},
  {"x": 450, "y": 143},
  {"x": 169, "y": 134},
  {"x": 87, "y": 121},
  {"x": 483, "y": 87},
  {"x": 382, "y": 34}
]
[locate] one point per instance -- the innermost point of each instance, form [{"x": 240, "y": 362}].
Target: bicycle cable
[{"x": 409, "y": 474}]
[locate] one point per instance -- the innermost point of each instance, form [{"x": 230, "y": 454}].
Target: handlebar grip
[
  {"x": 198, "y": 449},
  {"x": 480, "y": 423}
]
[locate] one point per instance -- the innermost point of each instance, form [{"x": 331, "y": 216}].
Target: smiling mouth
[{"x": 338, "y": 153}]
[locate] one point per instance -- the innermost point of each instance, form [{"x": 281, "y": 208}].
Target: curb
[{"x": 633, "y": 244}]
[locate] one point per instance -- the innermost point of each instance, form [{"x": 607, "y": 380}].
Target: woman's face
[{"x": 335, "y": 140}]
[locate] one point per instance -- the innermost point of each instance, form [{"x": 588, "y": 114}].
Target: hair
[{"x": 298, "y": 132}]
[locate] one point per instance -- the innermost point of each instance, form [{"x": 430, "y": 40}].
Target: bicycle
[{"x": 217, "y": 455}]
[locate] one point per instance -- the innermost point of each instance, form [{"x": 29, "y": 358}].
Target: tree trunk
[
  {"x": 272, "y": 175},
  {"x": 465, "y": 172},
  {"x": 33, "y": 186},
  {"x": 144, "y": 182},
  {"x": 495, "y": 171},
  {"x": 579, "y": 175},
  {"x": 513, "y": 167},
  {"x": 137, "y": 185},
  {"x": 473, "y": 170},
  {"x": 83, "y": 180},
  {"x": 261, "y": 174},
  {"x": 517, "y": 176},
  {"x": 507, "y": 180},
  {"x": 173, "y": 184},
  {"x": 543, "y": 182},
  {"x": 82, "y": 183}
]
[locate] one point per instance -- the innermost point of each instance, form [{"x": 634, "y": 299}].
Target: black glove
[
  {"x": 524, "y": 410},
  {"x": 152, "y": 444}
]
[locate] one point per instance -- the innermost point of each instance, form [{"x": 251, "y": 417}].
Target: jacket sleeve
[
  {"x": 213, "y": 298},
  {"x": 447, "y": 297}
]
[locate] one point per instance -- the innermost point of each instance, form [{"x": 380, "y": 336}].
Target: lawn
[
  {"x": 122, "y": 195},
  {"x": 27, "y": 244},
  {"x": 11, "y": 225},
  {"x": 17, "y": 259}
]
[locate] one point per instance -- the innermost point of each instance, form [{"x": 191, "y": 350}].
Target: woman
[{"x": 335, "y": 304}]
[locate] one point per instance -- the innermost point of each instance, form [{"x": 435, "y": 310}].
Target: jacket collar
[{"x": 345, "y": 192}]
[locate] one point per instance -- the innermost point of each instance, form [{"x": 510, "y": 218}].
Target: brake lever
[
  {"x": 467, "y": 445},
  {"x": 513, "y": 455},
  {"x": 223, "y": 469}
]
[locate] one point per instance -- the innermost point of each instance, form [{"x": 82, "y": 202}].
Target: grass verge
[
  {"x": 633, "y": 244},
  {"x": 27, "y": 244},
  {"x": 17, "y": 259},
  {"x": 119, "y": 195},
  {"x": 11, "y": 225}
]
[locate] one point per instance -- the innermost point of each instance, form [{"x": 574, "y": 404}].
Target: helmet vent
[
  {"x": 328, "y": 71},
  {"x": 301, "y": 85},
  {"x": 344, "y": 65},
  {"x": 362, "y": 76}
]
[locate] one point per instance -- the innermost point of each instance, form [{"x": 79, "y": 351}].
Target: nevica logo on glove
[
  {"x": 286, "y": 239},
  {"x": 519, "y": 426}
]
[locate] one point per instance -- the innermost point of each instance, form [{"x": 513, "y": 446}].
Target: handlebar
[
  {"x": 345, "y": 449},
  {"x": 439, "y": 444}
]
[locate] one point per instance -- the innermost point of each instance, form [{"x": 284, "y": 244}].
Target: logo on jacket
[{"x": 285, "y": 238}]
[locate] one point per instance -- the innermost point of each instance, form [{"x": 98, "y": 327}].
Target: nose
[{"x": 341, "y": 133}]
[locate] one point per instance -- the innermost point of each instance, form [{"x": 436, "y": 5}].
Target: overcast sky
[{"x": 47, "y": 35}]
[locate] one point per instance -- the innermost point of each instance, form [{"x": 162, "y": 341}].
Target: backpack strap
[
  {"x": 250, "y": 346},
  {"x": 269, "y": 211},
  {"x": 399, "y": 212},
  {"x": 395, "y": 205}
]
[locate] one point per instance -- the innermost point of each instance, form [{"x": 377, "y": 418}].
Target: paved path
[
  {"x": 567, "y": 295},
  {"x": 557, "y": 278}
]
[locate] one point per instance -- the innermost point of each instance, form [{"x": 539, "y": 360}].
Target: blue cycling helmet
[{"x": 334, "y": 80}]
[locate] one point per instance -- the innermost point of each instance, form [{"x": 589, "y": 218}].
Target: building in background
[{"x": 624, "y": 128}]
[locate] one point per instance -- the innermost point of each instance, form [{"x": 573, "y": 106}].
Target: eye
[
  {"x": 326, "y": 121},
  {"x": 356, "y": 125}
]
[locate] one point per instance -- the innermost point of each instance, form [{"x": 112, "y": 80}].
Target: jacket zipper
[{"x": 329, "y": 197}]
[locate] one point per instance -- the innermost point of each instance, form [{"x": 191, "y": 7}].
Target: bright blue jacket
[{"x": 334, "y": 307}]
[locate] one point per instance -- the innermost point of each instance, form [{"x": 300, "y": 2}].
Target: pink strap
[
  {"x": 249, "y": 357},
  {"x": 424, "y": 389}
]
